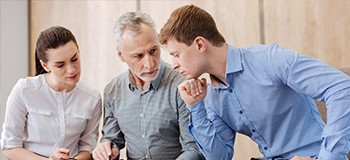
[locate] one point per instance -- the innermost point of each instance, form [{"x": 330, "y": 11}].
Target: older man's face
[{"x": 141, "y": 53}]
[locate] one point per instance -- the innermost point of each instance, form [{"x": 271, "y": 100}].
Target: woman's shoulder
[
  {"x": 31, "y": 82},
  {"x": 88, "y": 88}
]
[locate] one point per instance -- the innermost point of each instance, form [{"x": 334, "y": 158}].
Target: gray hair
[{"x": 131, "y": 21}]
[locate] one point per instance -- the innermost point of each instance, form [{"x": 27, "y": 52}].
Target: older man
[{"x": 142, "y": 105}]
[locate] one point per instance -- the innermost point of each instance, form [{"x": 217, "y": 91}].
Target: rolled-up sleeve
[
  {"x": 111, "y": 130},
  {"x": 15, "y": 119}
]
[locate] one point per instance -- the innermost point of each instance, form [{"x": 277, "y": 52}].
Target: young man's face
[
  {"x": 186, "y": 59},
  {"x": 141, "y": 53}
]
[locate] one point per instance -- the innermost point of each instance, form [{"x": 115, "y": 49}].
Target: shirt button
[
  {"x": 141, "y": 115},
  {"x": 146, "y": 156},
  {"x": 230, "y": 90},
  {"x": 143, "y": 136},
  {"x": 265, "y": 148},
  {"x": 240, "y": 112},
  {"x": 253, "y": 130}
]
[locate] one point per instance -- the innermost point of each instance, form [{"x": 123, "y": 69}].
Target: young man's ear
[
  {"x": 201, "y": 44},
  {"x": 120, "y": 55},
  {"x": 44, "y": 65}
]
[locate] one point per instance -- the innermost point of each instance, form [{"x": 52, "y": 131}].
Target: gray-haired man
[{"x": 142, "y": 105}]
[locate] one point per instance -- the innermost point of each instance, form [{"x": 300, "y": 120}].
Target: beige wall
[
  {"x": 320, "y": 29},
  {"x": 317, "y": 28}
]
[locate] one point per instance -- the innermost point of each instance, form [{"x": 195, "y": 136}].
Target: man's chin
[
  {"x": 188, "y": 77},
  {"x": 149, "y": 79}
]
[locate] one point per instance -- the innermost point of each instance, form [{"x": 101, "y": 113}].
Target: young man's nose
[{"x": 175, "y": 64}]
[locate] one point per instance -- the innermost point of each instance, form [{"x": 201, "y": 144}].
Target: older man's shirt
[
  {"x": 153, "y": 121},
  {"x": 269, "y": 98}
]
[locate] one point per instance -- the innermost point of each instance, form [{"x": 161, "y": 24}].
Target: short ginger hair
[{"x": 187, "y": 23}]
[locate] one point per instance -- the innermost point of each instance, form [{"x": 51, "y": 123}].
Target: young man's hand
[
  {"x": 103, "y": 151},
  {"x": 193, "y": 91}
]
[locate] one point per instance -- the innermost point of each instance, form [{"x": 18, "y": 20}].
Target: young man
[
  {"x": 143, "y": 105},
  {"x": 265, "y": 92}
]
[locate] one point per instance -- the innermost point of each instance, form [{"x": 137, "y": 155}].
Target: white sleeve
[
  {"x": 89, "y": 137},
  {"x": 15, "y": 121}
]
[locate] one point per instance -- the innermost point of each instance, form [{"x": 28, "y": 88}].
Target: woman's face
[{"x": 63, "y": 66}]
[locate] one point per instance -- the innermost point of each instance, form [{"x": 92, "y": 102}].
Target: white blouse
[{"x": 42, "y": 120}]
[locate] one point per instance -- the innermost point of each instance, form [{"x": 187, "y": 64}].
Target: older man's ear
[{"x": 120, "y": 55}]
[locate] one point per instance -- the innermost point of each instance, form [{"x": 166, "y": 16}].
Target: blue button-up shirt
[{"x": 269, "y": 98}]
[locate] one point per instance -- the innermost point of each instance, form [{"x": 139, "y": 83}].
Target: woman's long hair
[{"x": 50, "y": 38}]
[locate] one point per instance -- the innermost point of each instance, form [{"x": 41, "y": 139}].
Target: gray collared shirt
[{"x": 152, "y": 121}]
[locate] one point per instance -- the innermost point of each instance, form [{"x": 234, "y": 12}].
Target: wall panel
[
  {"x": 320, "y": 29},
  {"x": 13, "y": 50}
]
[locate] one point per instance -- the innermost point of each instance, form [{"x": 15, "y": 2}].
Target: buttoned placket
[
  {"x": 60, "y": 101},
  {"x": 143, "y": 105},
  {"x": 255, "y": 134}
]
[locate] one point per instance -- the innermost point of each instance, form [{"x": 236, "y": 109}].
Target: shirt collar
[
  {"x": 154, "y": 83},
  {"x": 233, "y": 64},
  {"x": 132, "y": 83}
]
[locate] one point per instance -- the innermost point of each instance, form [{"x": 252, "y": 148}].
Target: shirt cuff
[
  {"x": 9, "y": 146},
  {"x": 326, "y": 155},
  {"x": 104, "y": 140},
  {"x": 190, "y": 155},
  {"x": 197, "y": 111},
  {"x": 109, "y": 139},
  {"x": 8, "y": 143}
]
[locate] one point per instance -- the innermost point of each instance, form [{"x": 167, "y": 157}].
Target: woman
[{"x": 52, "y": 115}]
